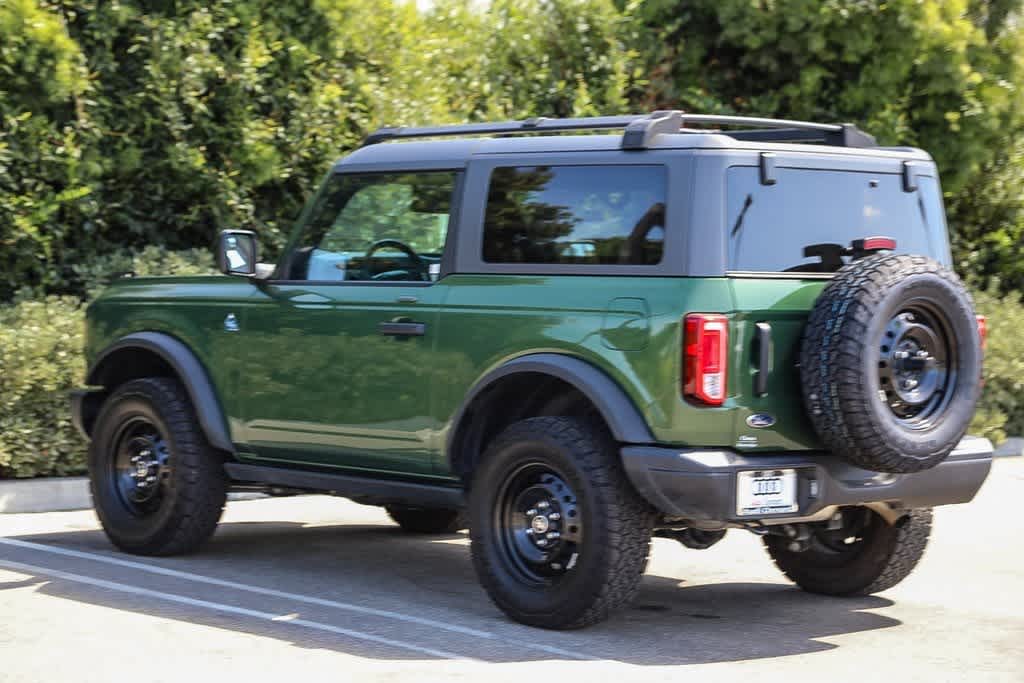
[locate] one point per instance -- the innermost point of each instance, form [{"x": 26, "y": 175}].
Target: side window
[
  {"x": 376, "y": 227},
  {"x": 599, "y": 215}
]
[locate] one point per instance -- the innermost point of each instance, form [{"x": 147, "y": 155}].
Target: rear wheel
[
  {"x": 863, "y": 555},
  {"x": 157, "y": 485},
  {"x": 427, "y": 520},
  {"x": 559, "y": 537}
]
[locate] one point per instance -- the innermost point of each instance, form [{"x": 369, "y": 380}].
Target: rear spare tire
[{"x": 891, "y": 363}]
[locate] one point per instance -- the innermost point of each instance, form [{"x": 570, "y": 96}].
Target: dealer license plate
[{"x": 765, "y": 492}]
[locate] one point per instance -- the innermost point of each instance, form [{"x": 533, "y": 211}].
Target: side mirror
[{"x": 236, "y": 252}]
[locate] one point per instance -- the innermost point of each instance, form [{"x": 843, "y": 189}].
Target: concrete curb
[
  {"x": 59, "y": 494},
  {"x": 1014, "y": 446}
]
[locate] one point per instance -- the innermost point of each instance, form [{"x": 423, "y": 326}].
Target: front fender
[{"x": 107, "y": 369}]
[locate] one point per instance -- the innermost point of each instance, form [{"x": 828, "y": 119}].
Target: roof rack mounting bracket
[
  {"x": 909, "y": 176},
  {"x": 850, "y": 135},
  {"x": 767, "y": 163},
  {"x": 640, "y": 133}
]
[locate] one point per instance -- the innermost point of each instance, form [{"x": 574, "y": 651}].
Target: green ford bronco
[{"x": 568, "y": 344}]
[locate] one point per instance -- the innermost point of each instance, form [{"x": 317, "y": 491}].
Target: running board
[{"x": 370, "y": 490}]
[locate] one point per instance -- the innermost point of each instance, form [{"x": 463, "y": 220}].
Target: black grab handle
[{"x": 764, "y": 358}]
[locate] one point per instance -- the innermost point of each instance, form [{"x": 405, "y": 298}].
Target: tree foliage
[{"x": 129, "y": 123}]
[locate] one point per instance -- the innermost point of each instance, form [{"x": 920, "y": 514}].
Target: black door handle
[
  {"x": 763, "y": 335},
  {"x": 402, "y": 329}
]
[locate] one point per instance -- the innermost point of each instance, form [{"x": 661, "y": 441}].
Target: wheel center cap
[
  {"x": 142, "y": 469},
  {"x": 540, "y": 524}
]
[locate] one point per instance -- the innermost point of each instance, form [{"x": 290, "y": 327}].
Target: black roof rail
[{"x": 640, "y": 130}]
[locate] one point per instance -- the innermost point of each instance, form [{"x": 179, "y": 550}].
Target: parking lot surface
[{"x": 316, "y": 588}]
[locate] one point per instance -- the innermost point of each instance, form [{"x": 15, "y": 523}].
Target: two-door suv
[{"x": 573, "y": 342}]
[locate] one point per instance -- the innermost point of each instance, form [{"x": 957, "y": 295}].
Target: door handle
[
  {"x": 763, "y": 335},
  {"x": 402, "y": 329}
]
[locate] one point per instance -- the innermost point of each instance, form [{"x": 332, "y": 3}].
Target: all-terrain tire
[
  {"x": 183, "y": 512},
  {"x": 856, "y": 403},
  {"x": 597, "y": 572},
  {"x": 887, "y": 554},
  {"x": 427, "y": 520}
]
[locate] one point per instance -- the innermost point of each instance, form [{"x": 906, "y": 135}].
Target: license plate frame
[{"x": 767, "y": 492}]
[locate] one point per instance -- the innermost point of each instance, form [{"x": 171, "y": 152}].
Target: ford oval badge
[{"x": 760, "y": 421}]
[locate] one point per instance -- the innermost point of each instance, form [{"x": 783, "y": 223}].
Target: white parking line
[
  {"x": 296, "y": 597},
  {"x": 228, "y": 609}
]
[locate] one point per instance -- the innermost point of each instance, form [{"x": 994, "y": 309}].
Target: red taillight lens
[
  {"x": 982, "y": 330},
  {"x": 705, "y": 359}
]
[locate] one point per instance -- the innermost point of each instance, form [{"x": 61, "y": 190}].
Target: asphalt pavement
[{"x": 315, "y": 588}]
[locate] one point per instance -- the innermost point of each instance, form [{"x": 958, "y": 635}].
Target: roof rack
[{"x": 640, "y": 130}]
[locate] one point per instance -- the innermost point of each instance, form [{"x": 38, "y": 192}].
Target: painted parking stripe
[
  {"x": 227, "y": 609},
  {"x": 295, "y": 597}
]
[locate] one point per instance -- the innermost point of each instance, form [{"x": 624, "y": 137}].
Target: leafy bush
[
  {"x": 40, "y": 361},
  {"x": 95, "y": 275},
  {"x": 1001, "y": 411}
]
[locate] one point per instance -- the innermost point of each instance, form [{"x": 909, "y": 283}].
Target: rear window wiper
[{"x": 832, "y": 254}]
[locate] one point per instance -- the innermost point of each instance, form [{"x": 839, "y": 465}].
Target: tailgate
[{"x": 768, "y": 321}]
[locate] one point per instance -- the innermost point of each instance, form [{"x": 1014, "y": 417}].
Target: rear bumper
[{"x": 700, "y": 485}]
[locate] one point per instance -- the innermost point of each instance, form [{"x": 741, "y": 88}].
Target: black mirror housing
[{"x": 236, "y": 252}]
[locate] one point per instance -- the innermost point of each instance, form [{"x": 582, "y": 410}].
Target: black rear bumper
[{"x": 700, "y": 485}]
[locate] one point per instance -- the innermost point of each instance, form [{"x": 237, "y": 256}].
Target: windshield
[{"x": 803, "y": 221}]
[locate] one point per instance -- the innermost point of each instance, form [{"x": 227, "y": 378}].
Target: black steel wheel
[
  {"x": 141, "y": 466},
  {"x": 538, "y": 523},
  {"x": 559, "y": 536},
  {"x": 157, "y": 485},
  {"x": 858, "y": 553},
  {"x": 891, "y": 363},
  {"x": 917, "y": 367}
]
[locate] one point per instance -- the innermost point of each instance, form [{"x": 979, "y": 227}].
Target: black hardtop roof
[{"x": 659, "y": 130}]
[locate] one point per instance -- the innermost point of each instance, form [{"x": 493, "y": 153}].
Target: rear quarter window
[
  {"x": 575, "y": 215},
  {"x": 769, "y": 227}
]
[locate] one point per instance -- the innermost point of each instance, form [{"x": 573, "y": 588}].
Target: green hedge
[
  {"x": 41, "y": 361},
  {"x": 1001, "y": 411}
]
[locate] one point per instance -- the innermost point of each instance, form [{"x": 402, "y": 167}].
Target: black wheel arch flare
[
  {"x": 184, "y": 364},
  {"x": 620, "y": 414}
]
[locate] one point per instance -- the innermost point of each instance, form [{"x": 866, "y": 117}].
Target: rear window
[
  {"x": 598, "y": 215},
  {"x": 771, "y": 227}
]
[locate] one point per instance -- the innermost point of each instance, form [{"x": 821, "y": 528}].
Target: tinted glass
[
  {"x": 770, "y": 226},
  {"x": 381, "y": 226},
  {"x": 604, "y": 215}
]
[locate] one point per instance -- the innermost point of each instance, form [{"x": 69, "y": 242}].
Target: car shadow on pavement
[{"x": 431, "y": 580}]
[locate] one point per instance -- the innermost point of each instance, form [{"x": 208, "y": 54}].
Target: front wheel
[
  {"x": 861, "y": 555},
  {"x": 559, "y": 537},
  {"x": 157, "y": 485}
]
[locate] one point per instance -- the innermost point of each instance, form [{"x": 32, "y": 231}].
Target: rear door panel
[{"x": 783, "y": 304}]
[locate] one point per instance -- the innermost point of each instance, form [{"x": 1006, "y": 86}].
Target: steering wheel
[{"x": 415, "y": 260}]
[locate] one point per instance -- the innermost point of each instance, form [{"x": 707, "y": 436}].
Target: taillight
[
  {"x": 982, "y": 330},
  {"x": 705, "y": 357}
]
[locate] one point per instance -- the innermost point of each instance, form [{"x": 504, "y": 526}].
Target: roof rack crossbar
[{"x": 640, "y": 130}]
